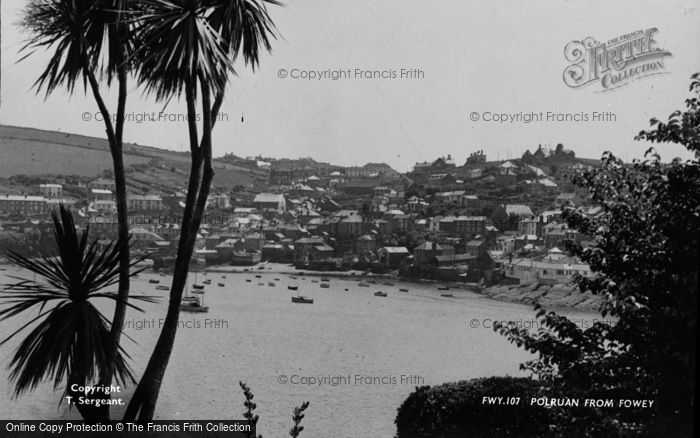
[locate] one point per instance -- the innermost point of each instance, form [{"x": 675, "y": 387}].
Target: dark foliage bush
[{"x": 457, "y": 410}]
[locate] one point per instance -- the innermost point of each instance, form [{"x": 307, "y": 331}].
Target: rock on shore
[{"x": 558, "y": 295}]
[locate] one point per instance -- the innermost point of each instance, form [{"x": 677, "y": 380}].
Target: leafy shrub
[{"x": 453, "y": 410}]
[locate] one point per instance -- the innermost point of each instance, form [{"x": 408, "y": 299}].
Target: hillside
[{"x": 35, "y": 152}]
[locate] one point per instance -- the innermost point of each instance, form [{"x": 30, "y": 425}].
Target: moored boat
[
  {"x": 403, "y": 290},
  {"x": 269, "y": 283},
  {"x": 303, "y": 300},
  {"x": 153, "y": 281},
  {"x": 293, "y": 287},
  {"x": 221, "y": 284},
  {"x": 161, "y": 287},
  {"x": 447, "y": 295},
  {"x": 380, "y": 294},
  {"x": 361, "y": 284},
  {"x": 194, "y": 306},
  {"x": 325, "y": 285},
  {"x": 443, "y": 288}
]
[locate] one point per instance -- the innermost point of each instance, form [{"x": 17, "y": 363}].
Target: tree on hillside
[
  {"x": 188, "y": 47},
  {"x": 91, "y": 41},
  {"x": 645, "y": 264}
]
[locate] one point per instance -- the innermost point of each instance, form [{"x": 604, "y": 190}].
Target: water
[{"x": 255, "y": 334}]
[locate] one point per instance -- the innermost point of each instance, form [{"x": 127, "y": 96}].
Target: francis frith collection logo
[{"x": 614, "y": 63}]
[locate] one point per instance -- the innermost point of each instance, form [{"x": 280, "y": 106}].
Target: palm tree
[
  {"x": 91, "y": 40},
  {"x": 71, "y": 340},
  {"x": 189, "y": 47}
]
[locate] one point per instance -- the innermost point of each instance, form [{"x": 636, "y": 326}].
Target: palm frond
[
  {"x": 245, "y": 26},
  {"x": 176, "y": 44},
  {"x": 81, "y": 35},
  {"x": 185, "y": 39},
  {"x": 72, "y": 338}
]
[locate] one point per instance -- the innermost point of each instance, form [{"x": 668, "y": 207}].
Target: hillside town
[{"x": 475, "y": 221}]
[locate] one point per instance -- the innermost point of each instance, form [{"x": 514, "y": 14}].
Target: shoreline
[{"x": 551, "y": 297}]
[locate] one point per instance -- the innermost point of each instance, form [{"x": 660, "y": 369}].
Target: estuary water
[{"x": 354, "y": 356}]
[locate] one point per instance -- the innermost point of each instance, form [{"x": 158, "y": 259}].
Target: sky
[{"x": 479, "y": 57}]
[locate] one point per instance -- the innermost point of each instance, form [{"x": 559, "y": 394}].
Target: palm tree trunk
[
  {"x": 115, "y": 147},
  {"x": 145, "y": 397},
  {"x": 122, "y": 217},
  {"x": 115, "y": 138}
]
